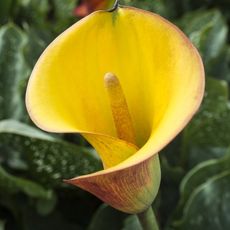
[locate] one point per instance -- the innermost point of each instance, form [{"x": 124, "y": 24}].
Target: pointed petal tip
[{"x": 76, "y": 181}]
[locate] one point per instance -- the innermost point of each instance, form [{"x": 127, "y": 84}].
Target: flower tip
[
  {"x": 110, "y": 79},
  {"x": 73, "y": 181},
  {"x": 65, "y": 181}
]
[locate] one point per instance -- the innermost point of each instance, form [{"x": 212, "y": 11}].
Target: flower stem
[
  {"x": 115, "y": 6},
  {"x": 148, "y": 220}
]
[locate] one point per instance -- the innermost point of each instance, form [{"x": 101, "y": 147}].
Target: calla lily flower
[{"x": 128, "y": 81}]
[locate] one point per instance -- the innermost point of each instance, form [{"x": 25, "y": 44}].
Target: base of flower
[{"x": 148, "y": 220}]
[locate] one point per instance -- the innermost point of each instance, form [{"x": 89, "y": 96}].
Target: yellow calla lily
[{"x": 161, "y": 77}]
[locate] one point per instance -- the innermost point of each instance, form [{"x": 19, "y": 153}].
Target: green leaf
[
  {"x": 168, "y": 195},
  {"x": 207, "y": 136},
  {"x": 55, "y": 220},
  {"x": 33, "y": 12},
  {"x": 194, "y": 4},
  {"x": 107, "y": 218},
  {"x": 198, "y": 176},
  {"x": 63, "y": 14},
  {"x": 46, "y": 206},
  {"x": 202, "y": 172},
  {"x": 208, "y": 206},
  {"x": 49, "y": 159},
  {"x": 2, "y": 225},
  {"x": 37, "y": 42},
  {"x": 13, "y": 72},
  {"x": 65, "y": 9},
  {"x": 5, "y": 6},
  {"x": 11, "y": 184},
  {"x": 132, "y": 223},
  {"x": 162, "y": 7},
  {"x": 219, "y": 67},
  {"x": 207, "y": 30}
]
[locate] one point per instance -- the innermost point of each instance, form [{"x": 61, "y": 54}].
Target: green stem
[
  {"x": 148, "y": 220},
  {"x": 115, "y": 6}
]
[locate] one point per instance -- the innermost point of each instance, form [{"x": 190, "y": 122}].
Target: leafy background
[{"x": 195, "y": 188}]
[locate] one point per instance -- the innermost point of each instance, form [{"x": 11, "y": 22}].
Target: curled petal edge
[{"x": 131, "y": 189}]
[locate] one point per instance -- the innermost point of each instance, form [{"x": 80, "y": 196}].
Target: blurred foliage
[{"x": 195, "y": 189}]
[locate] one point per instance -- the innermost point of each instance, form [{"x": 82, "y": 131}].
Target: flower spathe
[{"x": 161, "y": 75}]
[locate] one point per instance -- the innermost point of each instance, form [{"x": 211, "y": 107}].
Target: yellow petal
[
  {"x": 112, "y": 150},
  {"x": 161, "y": 75}
]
